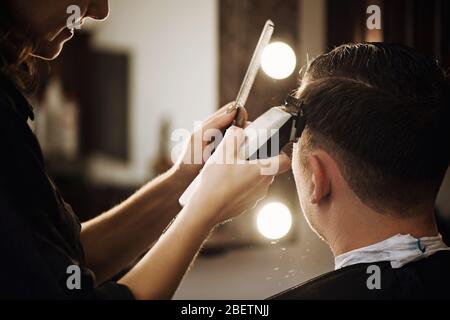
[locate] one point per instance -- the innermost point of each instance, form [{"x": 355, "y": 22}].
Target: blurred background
[{"x": 108, "y": 106}]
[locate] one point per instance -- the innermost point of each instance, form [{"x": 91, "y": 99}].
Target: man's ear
[{"x": 320, "y": 180}]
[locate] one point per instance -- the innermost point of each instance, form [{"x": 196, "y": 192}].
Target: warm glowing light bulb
[
  {"x": 278, "y": 60},
  {"x": 274, "y": 221}
]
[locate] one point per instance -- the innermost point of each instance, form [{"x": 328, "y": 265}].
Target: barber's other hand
[
  {"x": 229, "y": 186},
  {"x": 192, "y": 159}
]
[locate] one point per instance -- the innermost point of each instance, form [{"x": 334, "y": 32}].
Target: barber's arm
[
  {"x": 225, "y": 191},
  {"x": 114, "y": 239}
]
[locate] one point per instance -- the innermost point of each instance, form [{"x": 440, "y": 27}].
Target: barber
[{"x": 41, "y": 239}]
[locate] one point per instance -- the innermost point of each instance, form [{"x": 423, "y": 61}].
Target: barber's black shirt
[
  {"x": 39, "y": 233},
  {"x": 423, "y": 279}
]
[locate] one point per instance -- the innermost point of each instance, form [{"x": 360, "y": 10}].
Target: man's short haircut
[{"x": 382, "y": 111}]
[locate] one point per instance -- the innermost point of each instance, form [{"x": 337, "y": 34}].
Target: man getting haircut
[{"x": 368, "y": 168}]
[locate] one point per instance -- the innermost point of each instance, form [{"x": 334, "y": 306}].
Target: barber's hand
[
  {"x": 192, "y": 158},
  {"x": 230, "y": 186}
]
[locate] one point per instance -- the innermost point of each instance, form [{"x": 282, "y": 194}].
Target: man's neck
[{"x": 362, "y": 229}]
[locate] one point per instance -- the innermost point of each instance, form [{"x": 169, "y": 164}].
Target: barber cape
[
  {"x": 398, "y": 250},
  {"x": 406, "y": 268}
]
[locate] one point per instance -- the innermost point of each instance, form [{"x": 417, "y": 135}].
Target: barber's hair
[
  {"x": 382, "y": 111},
  {"x": 16, "y": 61}
]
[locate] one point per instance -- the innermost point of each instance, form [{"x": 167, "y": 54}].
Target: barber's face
[
  {"x": 46, "y": 21},
  {"x": 303, "y": 184}
]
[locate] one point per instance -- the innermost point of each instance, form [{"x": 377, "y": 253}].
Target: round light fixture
[
  {"x": 274, "y": 221},
  {"x": 278, "y": 60}
]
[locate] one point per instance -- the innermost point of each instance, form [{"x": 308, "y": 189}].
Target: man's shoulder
[{"x": 426, "y": 278}]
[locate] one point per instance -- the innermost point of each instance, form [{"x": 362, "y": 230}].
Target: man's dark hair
[{"x": 382, "y": 110}]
